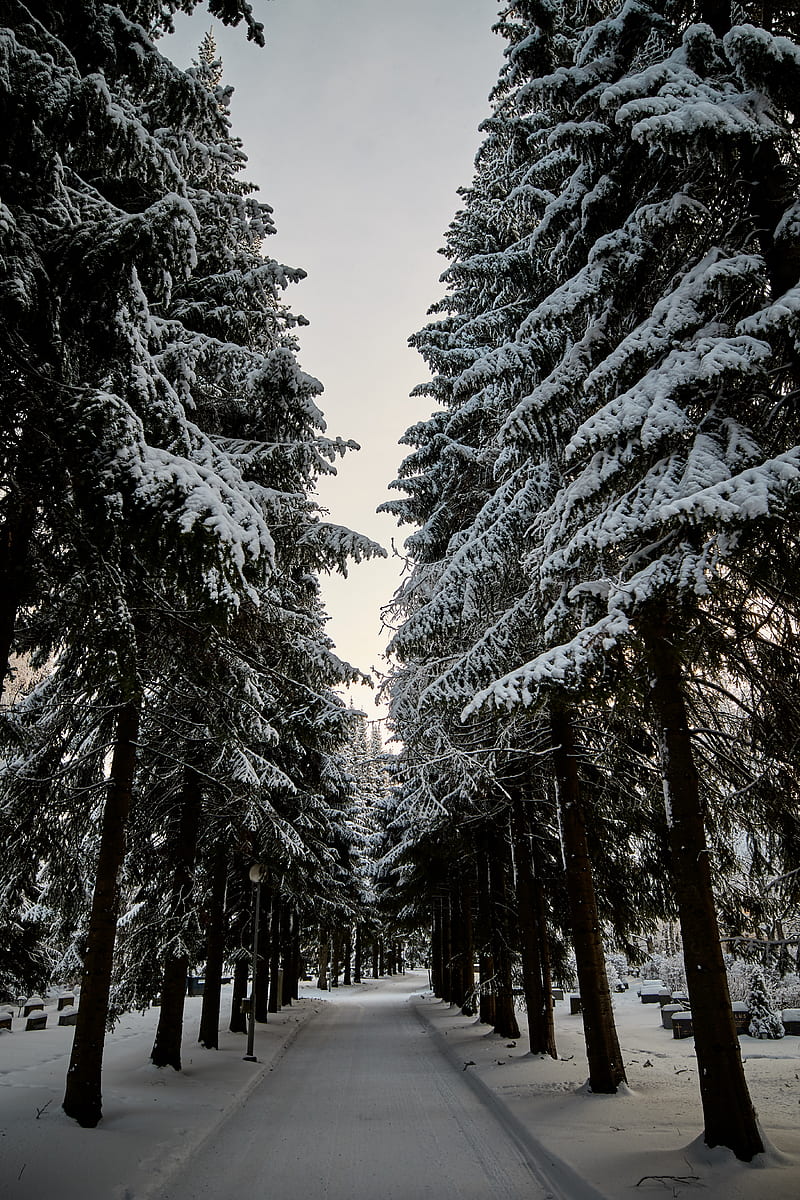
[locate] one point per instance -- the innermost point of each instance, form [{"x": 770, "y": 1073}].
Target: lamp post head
[{"x": 258, "y": 873}]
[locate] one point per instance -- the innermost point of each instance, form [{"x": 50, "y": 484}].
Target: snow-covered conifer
[{"x": 765, "y": 1022}]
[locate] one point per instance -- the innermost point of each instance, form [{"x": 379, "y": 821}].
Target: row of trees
[
  {"x": 596, "y": 676},
  {"x": 160, "y": 542}
]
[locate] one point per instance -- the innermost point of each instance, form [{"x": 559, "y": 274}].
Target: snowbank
[{"x": 644, "y": 1141}]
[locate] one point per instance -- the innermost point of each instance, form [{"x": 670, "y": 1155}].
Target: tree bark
[
  {"x": 437, "y": 947},
  {"x": 83, "y": 1096},
  {"x": 538, "y": 998},
  {"x": 357, "y": 957},
  {"x": 606, "y": 1070},
  {"x": 215, "y": 950},
  {"x": 324, "y": 955},
  {"x": 275, "y": 947},
  {"x": 166, "y": 1050},
  {"x": 336, "y": 955},
  {"x": 241, "y": 974},
  {"x": 505, "y": 1017},
  {"x": 266, "y": 933},
  {"x": 486, "y": 980},
  {"x": 347, "y": 978},
  {"x": 730, "y": 1119}
]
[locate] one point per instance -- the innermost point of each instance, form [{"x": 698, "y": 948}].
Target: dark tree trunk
[
  {"x": 215, "y": 950},
  {"x": 505, "y": 1017},
  {"x": 347, "y": 979},
  {"x": 83, "y": 1097},
  {"x": 263, "y": 955},
  {"x": 437, "y": 954},
  {"x": 324, "y": 956},
  {"x": 336, "y": 957},
  {"x": 544, "y": 947},
  {"x": 275, "y": 947},
  {"x": 241, "y": 974},
  {"x": 288, "y": 966},
  {"x": 297, "y": 968},
  {"x": 486, "y": 980},
  {"x": 728, "y": 1111},
  {"x": 357, "y": 957},
  {"x": 457, "y": 975},
  {"x": 446, "y": 949},
  {"x": 166, "y": 1050},
  {"x": 606, "y": 1070},
  {"x": 375, "y": 958},
  {"x": 465, "y": 997},
  {"x": 538, "y": 999}
]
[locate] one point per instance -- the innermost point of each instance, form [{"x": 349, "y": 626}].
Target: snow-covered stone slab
[
  {"x": 667, "y": 1013},
  {"x": 682, "y": 1026},
  {"x": 791, "y": 1020}
]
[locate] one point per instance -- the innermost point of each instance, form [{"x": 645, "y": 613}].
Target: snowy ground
[
  {"x": 652, "y": 1130},
  {"x": 643, "y": 1142}
]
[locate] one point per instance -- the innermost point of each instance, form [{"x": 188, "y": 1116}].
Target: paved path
[{"x": 364, "y": 1106}]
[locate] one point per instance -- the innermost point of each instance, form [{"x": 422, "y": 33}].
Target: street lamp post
[{"x": 257, "y": 874}]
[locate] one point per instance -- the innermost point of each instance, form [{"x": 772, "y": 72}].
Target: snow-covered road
[{"x": 364, "y": 1106}]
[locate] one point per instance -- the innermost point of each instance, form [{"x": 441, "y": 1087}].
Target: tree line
[
  {"x": 595, "y": 675},
  {"x": 161, "y": 545}
]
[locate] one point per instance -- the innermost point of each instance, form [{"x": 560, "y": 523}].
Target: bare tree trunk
[
  {"x": 336, "y": 956},
  {"x": 241, "y": 974},
  {"x": 505, "y": 1017},
  {"x": 357, "y": 957},
  {"x": 263, "y": 955},
  {"x": 606, "y": 1069},
  {"x": 538, "y": 998},
  {"x": 347, "y": 978},
  {"x": 324, "y": 955},
  {"x": 437, "y": 949},
  {"x": 166, "y": 1050},
  {"x": 208, "y": 1035},
  {"x": 467, "y": 945},
  {"x": 486, "y": 979},
  {"x": 83, "y": 1095},
  {"x": 275, "y": 997},
  {"x": 728, "y": 1112}
]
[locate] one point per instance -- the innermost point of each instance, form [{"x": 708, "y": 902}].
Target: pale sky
[{"x": 360, "y": 120}]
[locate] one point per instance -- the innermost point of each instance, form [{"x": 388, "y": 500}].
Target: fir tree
[{"x": 765, "y": 1022}]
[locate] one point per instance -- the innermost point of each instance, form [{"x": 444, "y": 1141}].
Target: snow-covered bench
[{"x": 38, "y": 1020}]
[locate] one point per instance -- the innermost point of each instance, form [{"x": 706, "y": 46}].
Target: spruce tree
[{"x": 765, "y": 1022}]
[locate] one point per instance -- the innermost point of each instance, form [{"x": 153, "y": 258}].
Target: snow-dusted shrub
[
  {"x": 616, "y": 970},
  {"x": 739, "y": 977},
  {"x": 765, "y": 1022},
  {"x": 785, "y": 991},
  {"x": 668, "y": 968}
]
